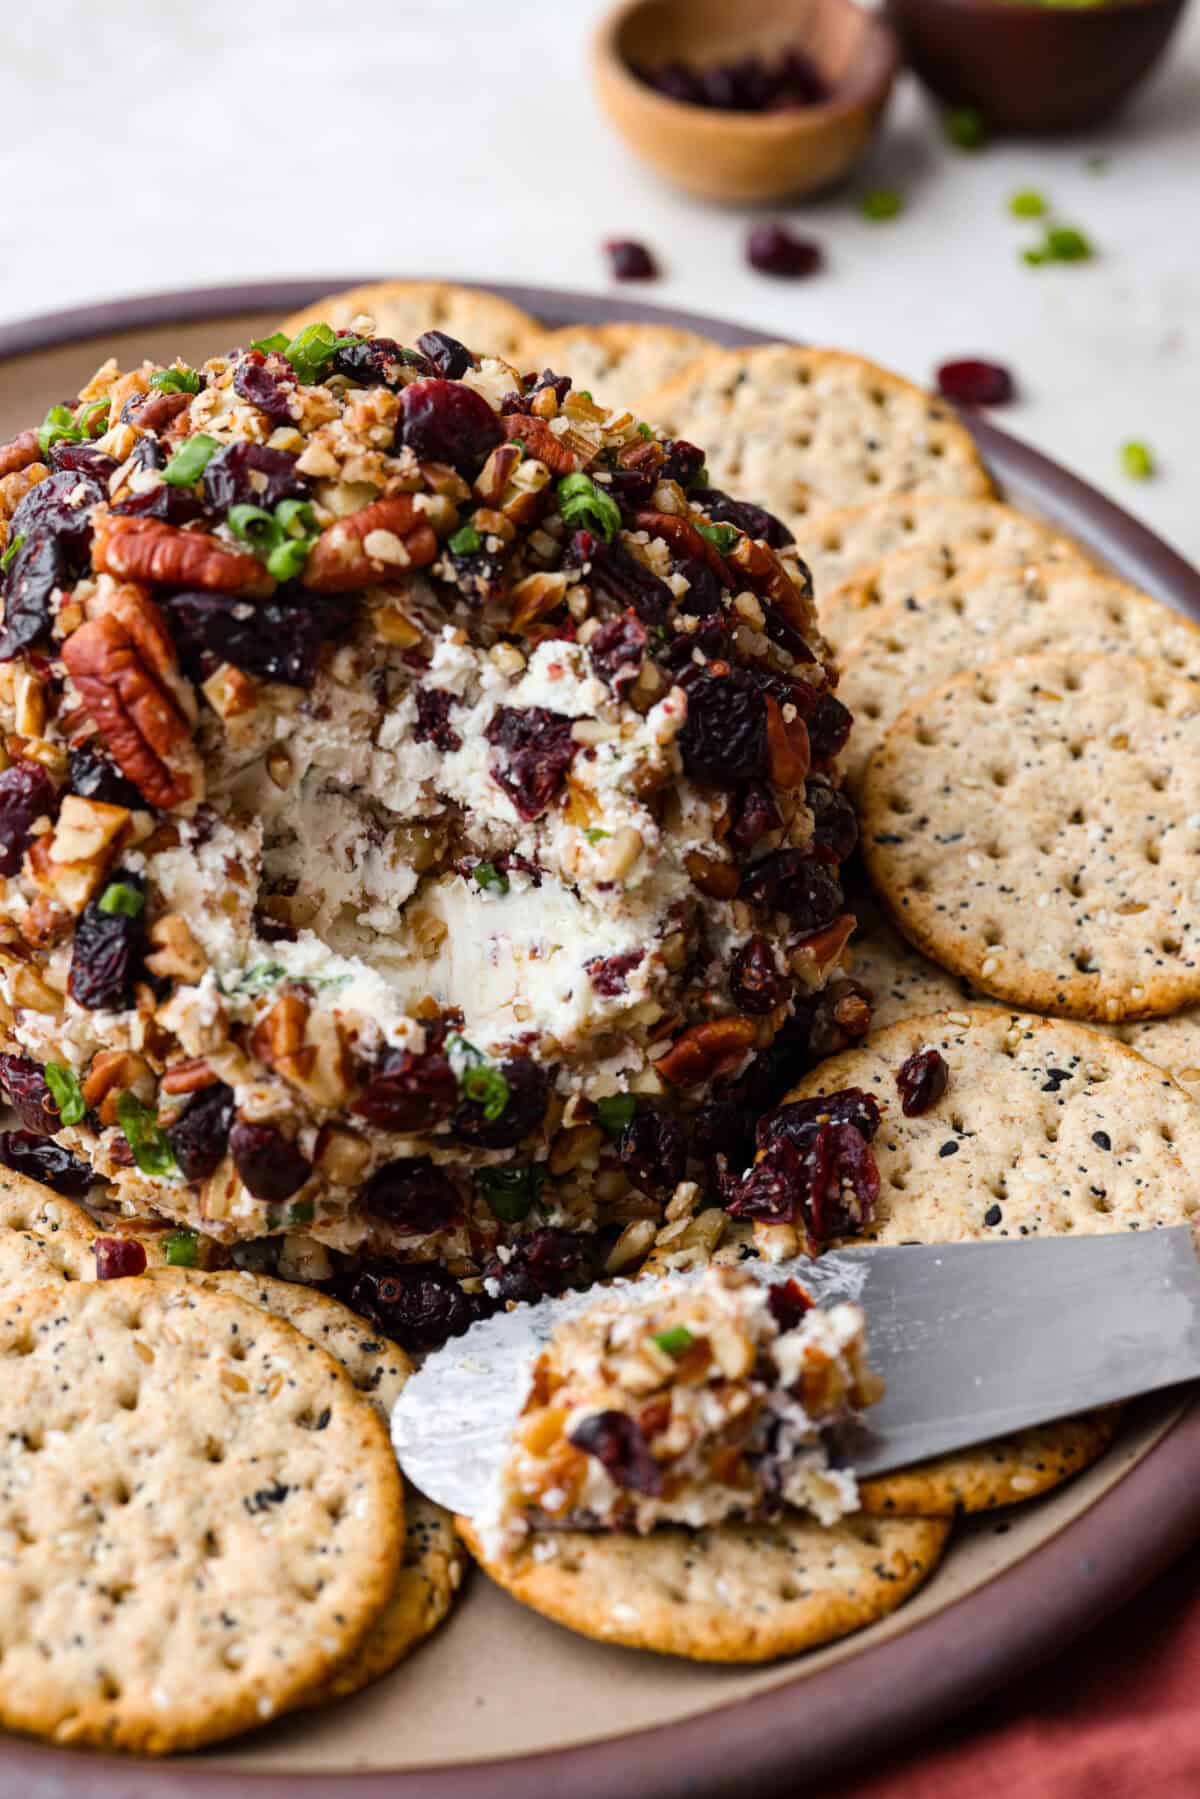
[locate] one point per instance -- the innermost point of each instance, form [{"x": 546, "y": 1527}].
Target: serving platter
[{"x": 504, "y": 1703}]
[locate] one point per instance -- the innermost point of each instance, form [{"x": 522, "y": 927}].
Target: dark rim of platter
[{"x": 816, "y": 1725}]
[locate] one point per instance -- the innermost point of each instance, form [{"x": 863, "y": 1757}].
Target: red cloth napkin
[{"x": 1114, "y": 1717}]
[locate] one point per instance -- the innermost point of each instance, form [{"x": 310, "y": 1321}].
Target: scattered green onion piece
[
  {"x": 277, "y": 343},
  {"x": 295, "y": 517},
  {"x": 254, "y": 526},
  {"x": 261, "y": 976},
  {"x": 287, "y": 560},
  {"x": 1137, "y": 460},
  {"x": 674, "y": 1341},
  {"x": 301, "y": 1212},
  {"x": 645, "y": 431},
  {"x": 723, "y": 537},
  {"x": 1027, "y": 203},
  {"x": 190, "y": 460},
  {"x": 183, "y": 1249},
  {"x": 177, "y": 381},
  {"x": 703, "y": 478},
  {"x": 119, "y": 899},
  {"x": 92, "y": 420},
  {"x": 466, "y": 541},
  {"x": 511, "y": 1193},
  {"x": 595, "y": 835},
  {"x": 312, "y": 350},
  {"x": 61, "y": 426},
  {"x": 616, "y": 1112},
  {"x": 145, "y": 1136},
  {"x": 490, "y": 877},
  {"x": 965, "y": 127},
  {"x": 1066, "y": 244},
  {"x": 487, "y": 1088},
  {"x": 582, "y": 503},
  {"x": 11, "y": 553},
  {"x": 881, "y": 203},
  {"x": 66, "y": 1092}
]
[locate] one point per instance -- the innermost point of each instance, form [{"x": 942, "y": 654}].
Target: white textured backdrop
[{"x": 150, "y": 145}]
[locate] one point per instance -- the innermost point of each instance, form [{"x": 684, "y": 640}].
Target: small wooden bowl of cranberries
[{"x": 751, "y": 101}]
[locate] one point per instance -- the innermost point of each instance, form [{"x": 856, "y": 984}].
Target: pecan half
[
  {"x": 157, "y": 410},
  {"x": 19, "y": 452},
  {"x": 541, "y": 443},
  {"x": 720, "y": 880},
  {"x": 763, "y": 573},
  {"x": 685, "y": 540},
  {"x": 130, "y": 705},
  {"x": 147, "y": 549},
  {"x": 788, "y": 752},
  {"x": 707, "y": 1050},
  {"x": 812, "y": 958},
  {"x": 342, "y": 560}
]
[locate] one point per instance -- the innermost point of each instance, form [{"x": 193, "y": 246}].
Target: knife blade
[{"x": 973, "y": 1340}]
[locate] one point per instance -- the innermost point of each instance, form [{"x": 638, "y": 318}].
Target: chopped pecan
[
  {"x": 685, "y": 540},
  {"x": 762, "y": 571},
  {"x": 342, "y": 561},
  {"x": 787, "y": 748},
  {"x": 177, "y": 956},
  {"x": 14, "y": 486},
  {"x": 307, "y": 1049},
  {"x": 820, "y": 952},
  {"x": 147, "y": 549},
  {"x": 707, "y": 1050},
  {"x": 113, "y": 1072},
  {"x": 157, "y": 410},
  {"x": 130, "y": 705},
  {"x": 542, "y": 444},
  {"x": 720, "y": 880},
  {"x": 19, "y": 452},
  {"x": 533, "y": 598},
  {"x": 188, "y": 1077},
  {"x": 494, "y": 476}
]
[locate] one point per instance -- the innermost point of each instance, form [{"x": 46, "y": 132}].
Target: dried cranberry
[
  {"x": 629, "y": 260},
  {"x": 199, "y": 1138},
  {"x": 617, "y": 652},
  {"x": 632, "y": 488},
  {"x": 725, "y": 735},
  {"x": 377, "y": 362},
  {"x": 448, "y": 356},
  {"x": 755, "y": 521},
  {"x": 249, "y": 474},
  {"x": 755, "y": 982},
  {"x": 971, "y": 382},
  {"x": 277, "y": 639},
  {"x": 789, "y": 1303},
  {"x": 617, "y": 1442},
  {"x": 724, "y": 1125},
  {"x": 794, "y": 882},
  {"x": 616, "y": 575},
  {"x": 547, "y": 379},
  {"x": 801, "y": 1119},
  {"x": 544, "y": 1263},
  {"x": 412, "y": 1194},
  {"x": 417, "y": 1305},
  {"x": 174, "y": 505},
  {"x": 828, "y": 729},
  {"x": 704, "y": 592},
  {"x": 53, "y": 530},
  {"x": 442, "y": 421},
  {"x": 26, "y": 793},
  {"x": 652, "y": 1151},
  {"x": 107, "y": 953},
  {"x": 409, "y": 1093},
  {"x": 268, "y": 382},
  {"x": 773, "y": 1189},
  {"x": 745, "y": 84},
  {"x": 62, "y": 505},
  {"x": 93, "y": 777},
  {"x": 25, "y": 1084},
  {"x": 84, "y": 459},
  {"x": 609, "y": 975},
  {"x": 524, "y": 1110},
  {"x": 713, "y": 639},
  {"x": 480, "y": 575},
  {"x": 922, "y": 1080},
  {"x": 41, "y": 1159},
  {"x": 757, "y": 815},
  {"x": 684, "y": 462},
  {"x": 539, "y": 748},
  {"x": 835, "y": 827},
  {"x": 774, "y": 250},
  {"x": 433, "y": 719},
  {"x": 119, "y": 1258},
  {"x": 268, "y": 1164}
]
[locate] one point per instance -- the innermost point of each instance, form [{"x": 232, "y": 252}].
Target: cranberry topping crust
[
  {"x": 528, "y": 1086},
  {"x": 789, "y": 1303},
  {"x": 26, "y": 794},
  {"x": 754, "y": 978},
  {"x": 618, "y": 650},
  {"x": 617, "y": 1442},
  {"x": 200, "y": 1137},
  {"x": 408, "y": 1093},
  {"x": 441, "y": 421},
  {"x": 418, "y": 1306},
  {"x": 106, "y": 957},
  {"x": 973, "y": 382},
  {"x": 630, "y": 260},
  {"x": 653, "y": 1152},
  {"x": 25, "y": 1087},
  {"x": 539, "y": 749},
  {"x": 117, "y": 1258},
  {"x": 610, "y": 974},
  {"x": 269, "y": 1165},
  {"x": 540, "y": 1266},
  {"x": 269, "y": 383},
  {"x": 922, "y": 1080},
  {"x": 413, "y": 1196},
  {"x": 44, "y": 1160}
]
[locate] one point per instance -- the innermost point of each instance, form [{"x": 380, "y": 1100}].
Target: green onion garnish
[
  {"x": 1027, "y": 203},
  {"x": 276, "y": 344},
  {"x": 261, "y": 976},
  {"x": 1062, "y": 243},
  {"x": 1137, "y": 460},
  {"x": 121, "y": 900},
  {"x": 581, "y": 502},
  {"x": 512, "y": 1192},
  {"x": 595, "y": 835},
  {"x": 965, "y": 127},
  {"x": 312, "y": 350},
  {"x": 645, "y": 431},
  {"x": 723, "y": 537},
  {"x": 479, "y": 1080},
  {"x": 616, "y": 1112},
  {"x": 190, "y": 460},
  {"x": 145, "y": 1136},
  {"x": 881, "y": 203},
  {"x": 466, "y": 541},
  {"x": 183, "y": 1249},
  {"x": 177, "y": 381},
  {"x": 282, "y": 539},
  {"x": 61, "y": 426},
  {"x": 66, "y": 1092},
  {"x": 490, "y": 877},
  {"x": 674, "y": 1341},
  {"x": 11, "y": 552}
]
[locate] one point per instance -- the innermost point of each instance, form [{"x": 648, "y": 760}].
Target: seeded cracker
[
  {"x": 404, "y": 309},
  {"x": 809, "y": 430},
  {"x": 26, "y": 1205},
  {"x": 733, "y": 1593},
  {"x": 621, "y": 364},
  {"x": 988, "y": 611},
  {"x": 206, "y": 1516},
  {"x": 1003, "y": 1472},
  {"x": 1034, "y": 827}
]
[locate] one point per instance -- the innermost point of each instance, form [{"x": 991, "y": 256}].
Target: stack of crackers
[{"x": 201, "y": 1516}]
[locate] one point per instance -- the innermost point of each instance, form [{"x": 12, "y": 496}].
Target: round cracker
[
  {"x": 987, "y": 612},
  {"x": 202, "y": 1514},
  {"x": 30, "y": 1260},
  {"x": 1173, "y": 1043},
  {"x": 805, "y": 430},
  {"x": 27, "y": 1205},
  {"x": 901, "y": 982},
  {"x": 1005, "y": 1471},
  {"x": 619, "y": 364},
  {"x": 1033, "y": 826},
  {"x": 486, "y": 323},
  {"x": 726, "y": 1593},
  {"x": 1016, "y": 1146}
]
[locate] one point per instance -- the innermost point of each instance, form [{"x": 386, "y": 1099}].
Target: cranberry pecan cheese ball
[{"x": 420, "y": 793}]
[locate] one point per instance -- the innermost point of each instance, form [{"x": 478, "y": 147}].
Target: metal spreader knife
[{"x": 972, "y": 1339}]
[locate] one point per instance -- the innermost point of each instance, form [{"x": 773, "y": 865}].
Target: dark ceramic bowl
[{"x": 1034, "y": 68}]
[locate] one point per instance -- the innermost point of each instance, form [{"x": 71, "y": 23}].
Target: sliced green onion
[
  {"x": 286, "y": 561},
  {"x": 119, "y": 899},
  {"x": 512, "y": 1192},
  {"x": 190, "y": 460},
  {"x": 881, "y": 203},
  {"x": 722, "y": 536},
  {"x": 595, "y": 835},
  {"x": 487, "y": 1088},
  {"x": 61, "y": 426},
  {"x": 253, "y": 526},
  {"x": 145, "y": 1136},
  {"x": 616, "y": 1112},
  {"x": 674, "y": 1341},
  {"x": 965, "y": 127},
  {"x": 276, "y": 344},
  {"x": 1137, "y": 460},
  {"x": 466, "y": 541},
  {"x": 98, "y": 412},
  {"x": 66, "y": 1092},
  {"x": 11, "y": 552},
  {"x": 1066, "y": 244},
  {"x": 261, "y": 976},
  {"x": 296, "y": 518},
  {"x": 177, "y": 381},
  {"x": 183, "y": 1249},
  {"x": 1027, "y": 203},
  {"x": 490, "y": 877},
  {"x": 645, "y": 431},
  {"x": 581, "y": 502},
  {"x": 312, "y": 350}
]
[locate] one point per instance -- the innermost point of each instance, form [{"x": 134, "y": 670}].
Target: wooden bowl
[
  {"x": 1030, "y": 67},
  {"x": 740, "y": 156}
]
